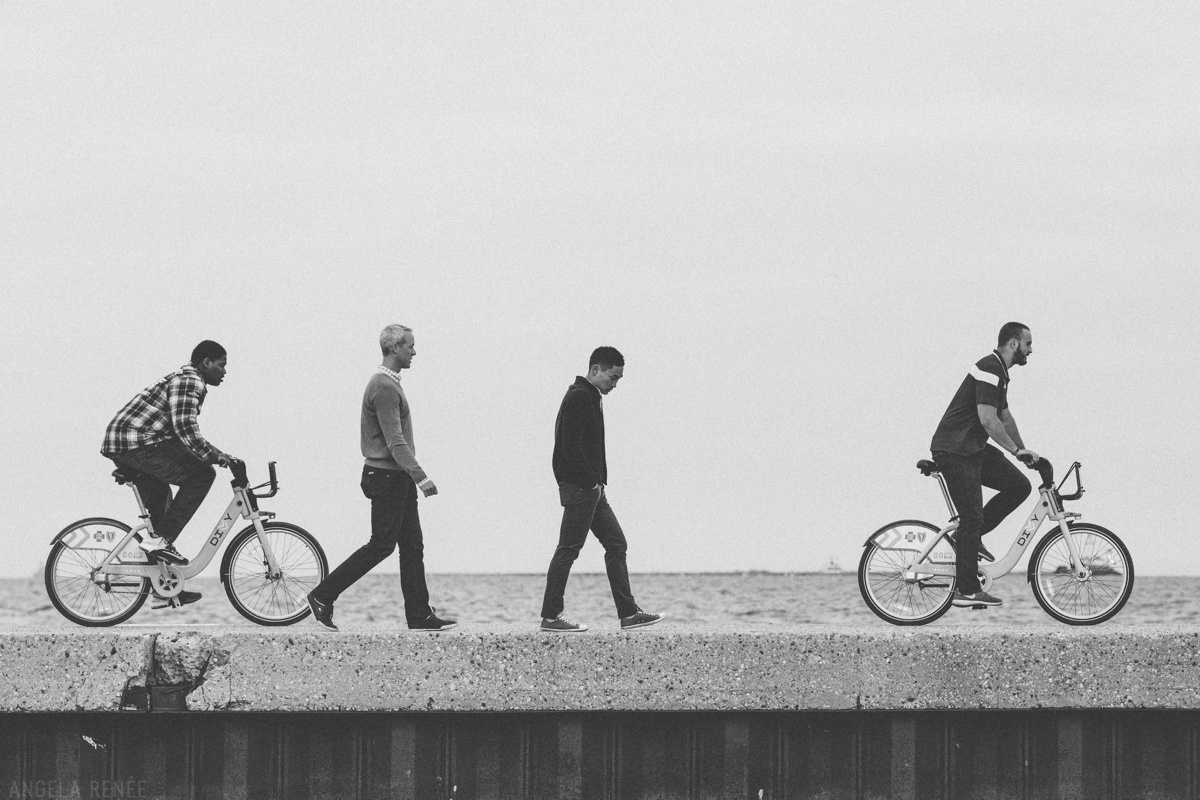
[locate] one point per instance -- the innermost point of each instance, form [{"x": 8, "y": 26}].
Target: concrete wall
[
  {"x": 510, "y": 668},
  {"x": 499, "y": 712}
]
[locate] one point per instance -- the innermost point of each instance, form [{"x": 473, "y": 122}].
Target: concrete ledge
[
  {"x": 66, "y": 671},
  {"x": 513, "y": 668}
]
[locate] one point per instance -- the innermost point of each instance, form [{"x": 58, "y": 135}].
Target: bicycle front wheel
[
  {"x": 889, "y": 584},
  {"x": 76, "y": 591},
  {"x": 1076, "y": 600},
  {"x": 270, "y": 599}
]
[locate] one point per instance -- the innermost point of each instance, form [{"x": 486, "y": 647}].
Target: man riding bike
[
  {"x": 979, "y": 411},
  {"x": 157, "y": 439}
]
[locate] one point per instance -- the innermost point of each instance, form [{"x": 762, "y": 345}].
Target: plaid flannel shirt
[{"x": 165, "y": 410}]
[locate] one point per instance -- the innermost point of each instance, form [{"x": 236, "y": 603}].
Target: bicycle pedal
[{"x": 978, "y": 608}]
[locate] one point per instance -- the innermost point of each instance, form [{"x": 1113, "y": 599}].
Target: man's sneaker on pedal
[
  {"x": 980, "y": 598},
  {"x": 182, "y": 599},
  {"x": 162, "y": 550}
]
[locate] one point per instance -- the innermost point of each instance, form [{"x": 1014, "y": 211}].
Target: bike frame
[
  {"x": 243, "y": 504},
  {"x": 1049, "y": 506}
]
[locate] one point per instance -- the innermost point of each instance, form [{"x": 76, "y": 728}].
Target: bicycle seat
[
  {"x": 123, "y": 475},
  {"x": 927, "y": 467}
]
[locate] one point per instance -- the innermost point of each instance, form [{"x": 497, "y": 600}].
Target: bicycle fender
[
  {"x": 99, "y": 533},
  {"x": 105, "y": 521},
  {"x": 911, "y": 535}
]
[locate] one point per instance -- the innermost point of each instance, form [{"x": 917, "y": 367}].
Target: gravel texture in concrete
[
  {"x": 68, "y": 671},
  {"x": 515, "y": 668}
]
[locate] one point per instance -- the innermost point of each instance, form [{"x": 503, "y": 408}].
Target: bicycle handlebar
[
  {"x": 1046, "y": 470},
  {"x": 1043, "y": 467},
  {"x": 238, "y": 468}
]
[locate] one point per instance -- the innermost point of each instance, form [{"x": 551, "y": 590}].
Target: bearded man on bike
[
  {"x": 156, "y": 437},
  {"x": 979, "y": 411}
]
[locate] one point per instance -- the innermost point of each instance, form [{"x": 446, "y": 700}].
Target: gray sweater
[{"x": 387, "y": 436}]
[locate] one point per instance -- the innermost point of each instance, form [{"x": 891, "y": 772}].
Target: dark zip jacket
[{"x": 579, "y": 437}]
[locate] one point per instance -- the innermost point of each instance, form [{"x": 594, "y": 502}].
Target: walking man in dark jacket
[{"x": 581, "y": 472}]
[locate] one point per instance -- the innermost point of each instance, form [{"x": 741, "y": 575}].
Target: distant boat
[
  {"x": 833, "y": 568},
  {"x": 1102, "y": 568}
]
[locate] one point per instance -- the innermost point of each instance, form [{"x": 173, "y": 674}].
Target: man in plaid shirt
[{"x": 156, "y": 438}]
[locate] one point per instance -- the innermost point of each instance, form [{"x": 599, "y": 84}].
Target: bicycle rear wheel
[
  {"x": 893, "y": 597},
  {"x": 1081, "y": 601},
  {"x": 73, "y": 590},
  {"x": 254, "y": 592}
]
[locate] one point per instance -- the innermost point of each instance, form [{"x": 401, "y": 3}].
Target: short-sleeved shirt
[{"x": 960, "y": 430}]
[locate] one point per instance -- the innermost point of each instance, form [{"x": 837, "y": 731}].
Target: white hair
[{"x": 392, "y": 335}]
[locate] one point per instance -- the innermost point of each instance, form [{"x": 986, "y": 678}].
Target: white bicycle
[
  {"x": 1080, "y": 573},
  {"x": 96, "y": 575}
]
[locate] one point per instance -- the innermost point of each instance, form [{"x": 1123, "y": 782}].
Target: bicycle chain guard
[
  {"x": 985, "y": 580},
  {"x": 167, "y": 581}
]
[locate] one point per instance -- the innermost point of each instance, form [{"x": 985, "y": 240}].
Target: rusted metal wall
[{"x": 917, "y": 754}]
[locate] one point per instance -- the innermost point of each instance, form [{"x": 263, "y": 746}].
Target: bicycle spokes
[
  {"x": 265, "y": 596},
  {"x": 78, "y": 587},
  {"x": 1084, "y": 591},
  {"x": 896, "y": 589}
]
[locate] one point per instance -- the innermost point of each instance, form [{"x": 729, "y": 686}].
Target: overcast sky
[{"x": 800, "y": 222}]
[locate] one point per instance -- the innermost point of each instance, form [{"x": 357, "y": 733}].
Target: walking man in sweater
[
  {"x": 581, "y": 472},
  {"x": 390, "y": 479}
]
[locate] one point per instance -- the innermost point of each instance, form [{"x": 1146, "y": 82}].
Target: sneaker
[
  {"x": 433, "y": 623},
  {"x": 322, "y": 612},
  {"x": 984, "y": 553},
  {"x": 980, "y": 598},
  {"x": 181, "y": 599},
  {"x": 640, "y": 619},
  {"x": 162, "y": 550},
  {"x": 561, "y": 624}
]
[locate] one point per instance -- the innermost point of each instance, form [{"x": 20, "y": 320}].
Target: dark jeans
[
  {"x": 965, "y": 476},
  {"x": 584, "y": 510},
  {"x": 394, "y": 523},
  {"x": 156, "y": 468}
]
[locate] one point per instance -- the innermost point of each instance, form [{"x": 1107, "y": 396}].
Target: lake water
[{"x": 691, "y": 599}]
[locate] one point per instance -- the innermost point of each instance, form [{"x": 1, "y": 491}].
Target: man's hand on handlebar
[
  {"x": 224, "y": 459},
  {"x": 1028, "y": 457}
]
